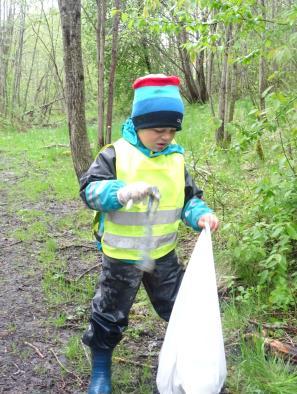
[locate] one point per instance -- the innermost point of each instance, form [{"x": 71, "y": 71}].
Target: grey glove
[{"x": 136, "y": 192}]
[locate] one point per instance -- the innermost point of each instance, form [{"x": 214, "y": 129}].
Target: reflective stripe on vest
[
  {"x": 124, "y": 230},
  {"x": 127, "y": 242},
  {"x": 140, "y": 218}
]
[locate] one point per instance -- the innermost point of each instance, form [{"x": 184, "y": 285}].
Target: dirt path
[
  {"x": 31, "y": 347},
  {"x": 28, "y": 344}
]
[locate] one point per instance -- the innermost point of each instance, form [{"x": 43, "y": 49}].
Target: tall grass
[{"x": 259, "y": 372}]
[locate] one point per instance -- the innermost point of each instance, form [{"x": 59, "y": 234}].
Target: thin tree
[
  {"x": 210, "y": 64},
  {"x": 7, "y": 17},
  {"x": 101, "y": 17},
  {"x": 114, "y": 52},
  {"x": 70, "y": 12},
  {"x": 18, "y": 60},
  {"x": 51, "y": 52},
  {"x": 262, "y": 83},
  {"x": 262, "y": 76},
  {"x": 221, "y": 135},
  {"x": 233, "y": 91},
  {"x": 31, "y": 67}
]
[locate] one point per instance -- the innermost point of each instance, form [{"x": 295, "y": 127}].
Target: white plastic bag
[{"x": 192, "y": 358}]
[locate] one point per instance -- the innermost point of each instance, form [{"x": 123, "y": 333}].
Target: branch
[
  {"x": 65, "y": 369},
  {"x": 35, "y": 348},
  {"x": 56, "y": 146},
  {"x": 265, "y": 20},
  {"x": 87, "y": 271},
  {"x": 282, "y": 348},
  {"x": 43, "y": 106},
  {"x": 275, "y": 326},
  {"x": 86, "y": 353},
  {"x": 138, "y": 364},
  {"x": 284, "y": 150},
  {"x": 77, "y": 246},
  {"x": 89, "y": 18}
]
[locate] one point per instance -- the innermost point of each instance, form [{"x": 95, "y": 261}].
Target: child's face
[{"x": 156, "y": 139}]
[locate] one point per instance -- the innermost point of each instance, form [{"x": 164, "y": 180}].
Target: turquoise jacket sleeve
[
  {"x": 102, "y": 195},
  {"x": 192, "y": 212}
]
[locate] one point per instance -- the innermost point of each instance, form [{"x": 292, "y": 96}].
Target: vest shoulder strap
[{"x": 103, "y": 149}]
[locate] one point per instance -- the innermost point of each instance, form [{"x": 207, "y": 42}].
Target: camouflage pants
[{"x": 118, "y": 285}]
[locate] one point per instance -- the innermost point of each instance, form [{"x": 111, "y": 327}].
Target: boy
[{"x": 144, "y": 162}]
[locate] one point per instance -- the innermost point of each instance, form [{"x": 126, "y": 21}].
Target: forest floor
[
  {"x": 49, "y": 268},
  {"x": 40, "y": 329},
  {"x": 30, "y": 347}
]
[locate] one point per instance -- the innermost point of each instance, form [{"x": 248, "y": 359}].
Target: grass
[
  {"x": 74, "y": 352},
  {"x": 34, "y": 231},
  {"x": 258, "y": 372},
  {"x": 44, "y": 175},
  {"x": 58, "y": 289}
]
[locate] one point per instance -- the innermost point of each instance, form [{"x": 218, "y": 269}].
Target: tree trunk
[
  {"x": 52, "y": 55},
  {"x": 227, "y": 137},
  {"x": 15, "y": 103},
  {"x": 210, "y": 61},
  {"x": 7, "y": 17},
  {"x": 262, "y": 85},
  {"x": 115, "y": 31},
  {"x": 70, "y": 11},
  {"x": 262, "y": 77},
  {"x": 101, "y": 16},
  {"x": 201, "y": 77},
  {"x": 52, "y": 52},
  {"x": 209, "y": 81},
  {"x": 200, "y": 74},
  {"x": 220, "y": 133},
  {"x": 192, "y": 89},
  {"x": 31, "y": 67},
  {"x": 146, "y": 55},
  {"x": 233, "y": 92}
]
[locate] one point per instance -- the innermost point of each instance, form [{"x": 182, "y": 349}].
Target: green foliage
[
  {"x": 258, "y": 199},
  {"x": 265, "y": 253}
]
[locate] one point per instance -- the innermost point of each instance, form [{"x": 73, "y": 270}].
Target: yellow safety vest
[{"x": 124, "y": 230}]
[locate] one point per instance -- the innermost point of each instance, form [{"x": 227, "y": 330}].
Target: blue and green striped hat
[{"x": 157, "y": 102}]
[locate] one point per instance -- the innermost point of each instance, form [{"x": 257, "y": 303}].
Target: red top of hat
[{"x": 156, "y": 80}]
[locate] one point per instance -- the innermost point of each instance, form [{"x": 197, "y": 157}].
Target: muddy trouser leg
[
  {"x": 163, "y": 283},
  {"x": 118, "y": 285}
]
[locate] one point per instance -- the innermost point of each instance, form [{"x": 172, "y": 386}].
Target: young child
[{"x": 144, "y": 162}]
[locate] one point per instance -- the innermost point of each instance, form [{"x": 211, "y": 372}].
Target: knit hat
[{"x": 157, "y": 102}]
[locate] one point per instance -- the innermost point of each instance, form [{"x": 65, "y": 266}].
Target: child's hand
[
  {"x": 137, "y": 192},
  {"x": 211, "y": 219}
]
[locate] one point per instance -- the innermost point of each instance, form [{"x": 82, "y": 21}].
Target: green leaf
[
  {"x": 266, "y": 91},
  {"x": 115, "y": 11},
  {"x": 282, "y": 55},
  {"x": 276, "y": 233},
  {"x": 293, "y": 38},
  {"x": 291, "y": 231},
  {"x": 124, "y": 17}
]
